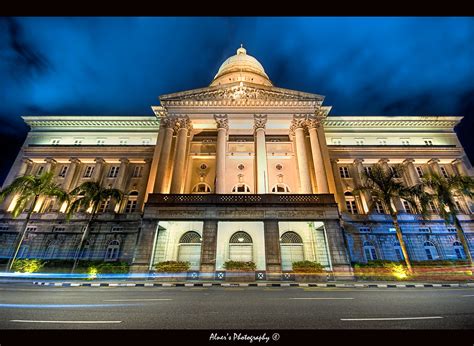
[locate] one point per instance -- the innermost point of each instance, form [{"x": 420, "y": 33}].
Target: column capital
[
  {"x": 50, "y": 160},
  {"x": 260, "y": 121},
  {"x": 124, "y": 160},
  {"x": 314, "y": 121},
  {"x": 358, "y": 161},
  {"x": 182, "y": 122},
  {"x": 384, "y": 161},
  {"x": 27, "y": 161},
  {"x": 433, "y": 161},
  {"x": 74, "y": 160},
  {"x": 298, "y": 122},
  {"x": 333, "y": 160},
  {"x": 457, "y": 161},
  {"x": 99, "y": 160},
  {"x": 222, "y": 121},
  {"x": 408, "y": 160}
]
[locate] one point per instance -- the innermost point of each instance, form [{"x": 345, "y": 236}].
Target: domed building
[{"x": 240, "y": 170}]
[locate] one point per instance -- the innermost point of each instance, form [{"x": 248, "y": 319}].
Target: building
[{"x": 239, "y": 170}]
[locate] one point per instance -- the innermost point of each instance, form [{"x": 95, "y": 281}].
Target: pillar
[
  {"x": 412, "y": 174},
  {"x": 160, "y": 183},
  {"x": 209, "y": 246},
  {"x": 321, "y": 114},
  {"x": 222, "y": 128},
  {"x": 10, "y": 201},
  {"x": 460, "y": 167},
  {"x": 319, "y": 170},
  {"x": 272, "y": 249},
  {"x": 50, "y": 163},
  {"x": 260, "y": 121},
  {"x": 156, "y": 159},
  {"x": 25, "y": 165},
  {"x": 99, "y": 165},
  {"x": 70, "y": 173},
  {"x": 396, "y": 201},
  {"x": 144, "y": 246},
  {"x": 297, "y": 127},
  {"x": 434, "y": 166},
  {"x": 365, "y": 198},
  {"x": 122, "y": 174},
  {"x": 339, "y": 191},
  {"x": 183, "y": 126}
]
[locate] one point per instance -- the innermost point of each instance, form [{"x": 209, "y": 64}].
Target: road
[{"x": 24, "y": 306}]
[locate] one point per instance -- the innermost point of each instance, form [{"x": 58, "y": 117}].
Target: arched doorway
[
  {"x": 241, "y": 247},
  {"x": 291, "y": 250},
  {"x": 190, "y": 249}
]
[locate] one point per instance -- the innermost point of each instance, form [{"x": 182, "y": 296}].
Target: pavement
[{"x": 27, "y": 306}]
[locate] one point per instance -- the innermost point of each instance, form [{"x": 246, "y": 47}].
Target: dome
[{"x": 241, "y": 67}]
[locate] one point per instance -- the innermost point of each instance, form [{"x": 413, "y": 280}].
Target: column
[
  {"x": 97, "y": 174},
  {"x": 272, "y": 249},
  {"x": 384, "y": 163},
  {"x": 337, "y": 250},
  {"x": 297, "y": 127},
  {"x": 156, "y": 158},
  {"x": 70, "y": 173},
  {"x": 144, "y": 246},
  {"x": 434, "y": 166},
  {"x": 10, "y": 201},
  {"x": 183, "y": 126},
  {"x": 322, "y": 114},
  {"x": 120, "y": 180},
  {"x": 396, "y": 201},
  {"x": 222, "y": 128},
  {"x": 365, "y": 198},
  {"x": 50, "y": 163},
  {"x": 460, "y": 167},
  {"x": 260, "y": 121},
  {"x": 160, "y": 183},
  {"x": 319, "y": 170},
  {"x": 412, "y": 174},
  {"x": 25, "y": 165},
  {"x": 339, "y": 191},
  {"x": 209, "y": 246}
]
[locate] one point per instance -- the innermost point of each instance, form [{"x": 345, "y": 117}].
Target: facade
[{"x": 239, "y": 170}]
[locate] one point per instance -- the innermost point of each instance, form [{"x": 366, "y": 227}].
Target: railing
[{"x": 241, "y": 199}]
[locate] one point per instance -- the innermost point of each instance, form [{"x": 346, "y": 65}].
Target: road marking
[
  {"x": 469, "y": 295},
  {"x": 70, "y": 322},
  {"x": 323, "y": 298},
  {"x": 392, "y": 318},
  {"x": 135, "y": 300}
]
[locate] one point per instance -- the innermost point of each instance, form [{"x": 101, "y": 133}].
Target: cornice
[
  {"x": 412, "y": 122},
  {"x": 103, "y": 122}
]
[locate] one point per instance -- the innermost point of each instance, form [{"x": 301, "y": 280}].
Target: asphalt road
[{"x": 24, "y": 306}]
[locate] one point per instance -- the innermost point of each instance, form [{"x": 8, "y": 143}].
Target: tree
[
  {"x": 29, "y": 189},
  {"x": 443, "y": 191},
  {"x": 382, "y": 185},
  {"x": 89, "y": 196}
]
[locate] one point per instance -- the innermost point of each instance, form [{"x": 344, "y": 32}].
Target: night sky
[{"x": 119, "y": 66}]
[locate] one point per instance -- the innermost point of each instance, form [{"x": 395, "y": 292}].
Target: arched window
[
  {"x": 280, "y": 188},
  {"x": 241, "y": 247},
  {"x": 132, "y": 202},
  {"x": 112, "y": 251},
  {"x": 189, "y": 249},
  {"x": 369, "y": 251},
  {"x": 398, "y": 251},
  {"x": 350, "y": 203},
  {"x": 291, "y": 246},
  {"x": 241, "y": 188},
  {"x": 24, "y": 250},
  {"x": 430, "y": 250},
  {"x": 86, "y": 250},
  {"x": 459, "y": 250},
  {"x": 51, "y": 250},
  {"x": 201, "y": 188}
]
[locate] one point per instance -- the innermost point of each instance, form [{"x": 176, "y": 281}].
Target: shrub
[
  {"x": 307, "y": 267},
  {"x": 172, "y": 267},
  {"x": 243, "y": 266},
  {"x": 380, "y": 270},
  {"x": 27, "y": 265}
]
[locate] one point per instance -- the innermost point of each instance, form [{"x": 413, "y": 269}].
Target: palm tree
[
  {"x": 443, "y": 191},
  {"x": 383, "y": 186},
  {"x": 90, "y": 195},
  {"x": 29, "y": 189}
]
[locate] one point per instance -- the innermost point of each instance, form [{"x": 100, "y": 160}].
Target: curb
[{"x": 81, "y": 284}]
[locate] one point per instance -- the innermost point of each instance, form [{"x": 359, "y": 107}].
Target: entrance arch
[{"x": 291, "y": 246}]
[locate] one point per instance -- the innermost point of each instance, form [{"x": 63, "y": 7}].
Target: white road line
[
  {"x": 469, "y": 295},
  {"x": 70, "y": 322},
  {"x": 392, "y": 319},
  {"x": 321, "y": 298},
  {"x": 135, "y": 300}
]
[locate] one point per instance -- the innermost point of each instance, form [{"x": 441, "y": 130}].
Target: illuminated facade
[{"x": 240, "y": 170}]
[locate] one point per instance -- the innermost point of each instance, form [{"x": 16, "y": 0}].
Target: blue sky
[{"x": 119, "y": 66}]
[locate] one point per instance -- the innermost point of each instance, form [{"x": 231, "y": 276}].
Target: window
[
  {"x": 459, "y": 250},
  {"x": 104, "y": 206},
  {"x": 40, "y": 170},
  {"x": 112, "y": 251},
  {"x": 391, "y": 229},
  {"x": 23, "y": 253},
  {"x": 280, "y": 188},
  {"x": 78, "y": 142},
  {"x": 5, "y": 228},
  {"x": 407, "y": 206},
  {"x": 88, "y": 171},
  {"x": 201, "y": 188},
  {"x": 146, "y": 141},
  {"x": 336, "y": 141},
  {"x": 405, "y": 142},
  {"x": 63, "y": 171},
  {"x": 123, "y": 141},
  {"x": 113, "y": 173},
  {"x": 190, "y": 237},
  {"x": 100, "y": 141},
  {"x": 428, "y": 142},
  {"x": 419, "y": 171},
  {"x": 344, "y": 172},
  {"x": 369, "y": 251},
  {"x": 132, "y": 202},
  {"x": 368, "y": 170},
  {"x": 55, "y": 141},
  {"x": 291, "y": 248},
  {"x": 451, "y": 229},
  {"x": 398, "y": 251},
  {"x": 59, "y": 229},
  {"x": 241, "y": 188},
  {"x": 137, "y": 171},
  {"x": 86, "y": 250},
  {"x": 364, "y": 229},
  {"x": 395, "y": 172},
  {"x": 359, "y": 141},
  {"x": 382, "y": 141},
  {"x": 117, "y": 229},
  {"x": 350, "y": 203},
  {"x": 424, "y": 230},
  {"x": 189, "y": 249},
  {"x": 444, "y": 172},
  {"x": 240, "y": 247},
  {"x": 379, "y": 207},
  {"x": 51, "y": 251},
  {"x": 430, "y": 251}
]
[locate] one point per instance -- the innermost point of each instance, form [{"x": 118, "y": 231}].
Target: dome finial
[{"x": 241, "y": 50}]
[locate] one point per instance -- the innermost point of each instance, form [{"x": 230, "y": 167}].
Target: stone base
[
  {"x": 139, "y": 268},
  {"x": 342, "y": 272},
  {"x": 308, "y": 277},
  {"x": 171, "y": 277},
  {"x": 239, "y": 276}
]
